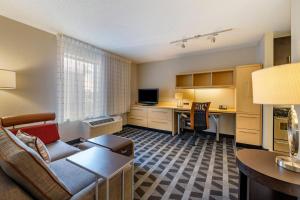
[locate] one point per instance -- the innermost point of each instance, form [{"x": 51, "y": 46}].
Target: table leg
[
  {"x": 216, "y": 119},
  {"x": 179, "y": 124},
  {"x": 132, "y": 187},
  {"x": 107, "y": 189},
  {"x": 97, "y": 185},
  {"x": 218, "y": 127},
  {"x": 123, "y": 184},
  {"x": 243, "y": 194}
]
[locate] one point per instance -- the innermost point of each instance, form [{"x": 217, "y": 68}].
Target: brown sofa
[{"x": 80, "y": 183}]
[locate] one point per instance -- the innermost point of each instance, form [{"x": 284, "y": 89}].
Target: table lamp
[
  {"x": 280, "y": 85},
  {"x": 179, "y": 97},
  {"x": 7, "y": 79}
]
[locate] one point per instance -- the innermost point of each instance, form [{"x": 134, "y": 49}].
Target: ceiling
[{"x": 142, "y": 30}]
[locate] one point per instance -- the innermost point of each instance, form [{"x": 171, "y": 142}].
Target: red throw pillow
[{"x": 48, "y": 133}]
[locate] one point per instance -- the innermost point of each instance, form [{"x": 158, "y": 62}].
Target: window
[{"x": 91, "y": 83}]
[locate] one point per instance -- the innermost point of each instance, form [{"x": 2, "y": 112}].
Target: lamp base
[{"x": 287, "y": 163}]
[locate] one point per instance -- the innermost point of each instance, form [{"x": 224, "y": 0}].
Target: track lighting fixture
[
  {"x": 183, "y": 45},
  {"x": 210, "y": 36},
  {"x": 213, "y": 39}
]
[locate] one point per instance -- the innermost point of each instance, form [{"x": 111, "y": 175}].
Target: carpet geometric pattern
[{"x": 168, "y": 167}]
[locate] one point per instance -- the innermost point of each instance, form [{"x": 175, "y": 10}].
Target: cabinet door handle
[
  {"x": 247, "y": 132},
  {"x": 136, "y": 118},
  {"x": 136, "y": 109},
  {"x": 159, "y": 111},
  {"x": 160, "y": 122},
  {"x": 248, "y": 116},
  {"x": 279, "y": 142}
]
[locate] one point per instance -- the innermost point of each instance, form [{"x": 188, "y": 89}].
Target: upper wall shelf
[{"x": 207, "y": 79}]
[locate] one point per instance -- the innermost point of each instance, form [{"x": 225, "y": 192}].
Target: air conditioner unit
[{"x": 102, "y": 126}]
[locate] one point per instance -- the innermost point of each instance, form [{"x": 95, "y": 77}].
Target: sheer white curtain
[{"x": 91, "y": 82}]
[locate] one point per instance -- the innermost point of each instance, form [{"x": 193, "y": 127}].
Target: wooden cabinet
[
  {"x": 223, "y": 78},
  {"x": 248, "y": 136},
  {"x": 160, "y": 114},
  {"x": 248, "y": 121},
  {"x": 282, "y": 50},
  {"x": 159, "y": 118},
  {"x": 244, "y": 96},
  {"x": 151, "y": 117},
  {"x": 202, "y": 80},
  {"x": 184, "y": 81},
  {"x": 248, "y": 117},
  {"x": 206, "y": 79},
  {"x": 281, "y": 146},
  {"x": 138, "y": 116}
]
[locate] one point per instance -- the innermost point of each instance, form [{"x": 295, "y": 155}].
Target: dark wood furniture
[
  {"x": 104, "y": 164},
  {"x": 261, "y": 178},
  {"x": 26, "y": 119},
  {"x": 115, "y": 143},
  {"x": 282, "y": 50}
]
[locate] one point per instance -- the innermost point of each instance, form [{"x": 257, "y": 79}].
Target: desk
[
  {"x": 214, "y": 113},
  {"x": 164, "y": 116}
]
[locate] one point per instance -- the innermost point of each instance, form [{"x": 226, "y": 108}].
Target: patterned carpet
[{"x": 168, "y": 167}]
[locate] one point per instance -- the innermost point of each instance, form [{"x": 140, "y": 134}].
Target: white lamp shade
[
  {"x": 279, "y": 85},
  {"x": 7, "y": 79}
]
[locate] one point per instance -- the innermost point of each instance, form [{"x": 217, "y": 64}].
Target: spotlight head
[
  {"x": 183, "y": 45},
  {"x": 213, "y": 39}
]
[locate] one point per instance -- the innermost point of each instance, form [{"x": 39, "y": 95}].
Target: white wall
[
  {"x": 266, "y": 56},
  {"x": 134, "y": 83},
  {"x": 32, "y": 54},
  {"x": 295, "y": 30},
  {"x": 162, "y": 75},
  {"x": 295, "y": 36}
]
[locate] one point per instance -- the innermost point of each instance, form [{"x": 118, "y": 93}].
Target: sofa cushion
[
  {"x": 10, "y": 190},
  {"x": 28, "y": 169},
  {"x": 35, "y": 143},
  {"x": 48, "y": 133},
  {"x": 60, "y": 149},
  {"x": 74, "y": 177},
  {"x": 87, "y": 145}
]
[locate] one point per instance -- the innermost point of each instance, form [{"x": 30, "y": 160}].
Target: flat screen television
[{"x": 148, "y": 96}]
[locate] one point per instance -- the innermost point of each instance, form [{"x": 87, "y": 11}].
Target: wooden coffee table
[{"x": 103, "y": 164}]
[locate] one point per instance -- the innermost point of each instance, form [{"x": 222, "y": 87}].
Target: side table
[
  {"x": 103, "y": 164},
  {"x": 262, "y": 178}
]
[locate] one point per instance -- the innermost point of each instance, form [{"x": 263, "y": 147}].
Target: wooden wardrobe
[{"x": 249, "y": 115}]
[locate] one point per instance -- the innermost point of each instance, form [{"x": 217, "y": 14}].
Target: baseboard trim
[
  {"x": 170, "y": 132},
  {"x": 221, "y": 134},
  {"x": 146, "y": 128},
  {"x": 250, "y": 146}
]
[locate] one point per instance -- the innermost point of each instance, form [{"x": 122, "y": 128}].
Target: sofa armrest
[{"x": 11, "y": 190}]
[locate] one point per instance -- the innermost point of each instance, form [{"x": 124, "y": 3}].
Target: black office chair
[{"x": 198, "y": 119}]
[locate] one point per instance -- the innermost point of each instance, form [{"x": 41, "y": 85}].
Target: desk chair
[{"x": 198, "y": 119}]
